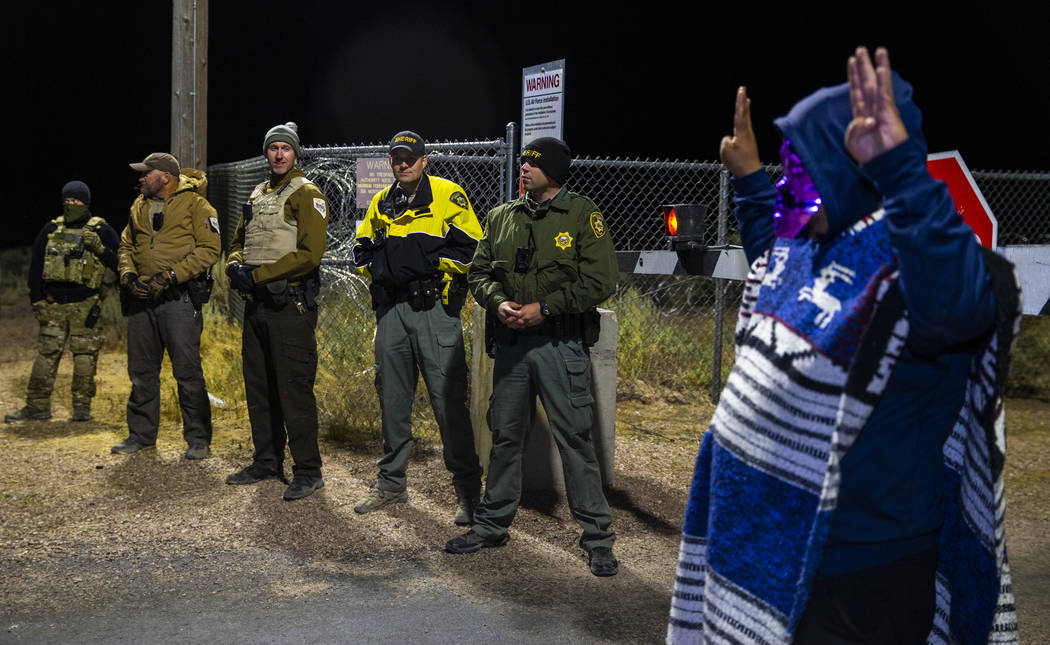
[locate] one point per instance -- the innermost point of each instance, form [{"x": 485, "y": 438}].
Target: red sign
[{"x": 950, "y": 168}]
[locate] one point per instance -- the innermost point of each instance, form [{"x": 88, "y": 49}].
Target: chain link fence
[
  {"x": 675, "y": 331},
  {"x": 1021, "y": 203}
]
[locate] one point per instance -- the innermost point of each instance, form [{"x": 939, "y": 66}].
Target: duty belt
[{"x": 584, "y": 326}]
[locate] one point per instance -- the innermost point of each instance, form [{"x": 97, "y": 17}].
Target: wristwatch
[{"x": 544, "y": 309}]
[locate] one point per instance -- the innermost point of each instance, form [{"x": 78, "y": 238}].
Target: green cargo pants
[
  {"x": 429, "y": 342},
  {"x": 60, "y": 322},
  {"x": 560, "y": 373}
]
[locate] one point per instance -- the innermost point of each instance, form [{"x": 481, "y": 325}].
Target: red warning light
[{"x": 670, "y": 221}]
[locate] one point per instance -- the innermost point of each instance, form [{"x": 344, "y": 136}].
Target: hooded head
[{"x": 816, "y": 128}]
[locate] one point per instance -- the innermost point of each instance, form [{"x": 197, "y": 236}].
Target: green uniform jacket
[
  {"x": 573, "y": 266},
  {"x": 310, "y": 238},
  {"x": 188, "y": 240}
]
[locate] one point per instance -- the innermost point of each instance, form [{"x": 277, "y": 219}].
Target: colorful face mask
[{"x": 797, "y": 198}]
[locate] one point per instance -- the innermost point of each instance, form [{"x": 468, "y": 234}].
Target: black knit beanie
[
  {"x": 551, "y": 156},
  {"x": 77, "y": 190}
]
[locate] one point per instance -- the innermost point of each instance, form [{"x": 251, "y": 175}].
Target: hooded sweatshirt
[{"x": 889, "y": 504}]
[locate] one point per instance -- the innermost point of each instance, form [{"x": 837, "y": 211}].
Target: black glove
[
  {"x": 135, "y": 286},
  {"x": 160, "y": 282},
  {"x": 241, "y": 277},
  {"x": 165, "y": 277},
  {"x": 362, "y": 252}
]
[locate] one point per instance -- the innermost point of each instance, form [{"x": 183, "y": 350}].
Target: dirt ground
[{"x": 82, "y": 530}]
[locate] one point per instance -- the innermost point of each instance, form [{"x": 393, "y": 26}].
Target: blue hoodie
[{"x": 889, "y": 501}]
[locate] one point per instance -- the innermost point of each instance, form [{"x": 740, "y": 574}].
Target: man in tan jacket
[{"x": 166, "y": 250}]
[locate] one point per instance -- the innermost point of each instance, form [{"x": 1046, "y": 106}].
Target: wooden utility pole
[{"x": 189, "y": 82}]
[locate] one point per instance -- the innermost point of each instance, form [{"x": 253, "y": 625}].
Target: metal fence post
[
  {"x": 508, "y": 158},
  {"x": 720, "y": 290}
]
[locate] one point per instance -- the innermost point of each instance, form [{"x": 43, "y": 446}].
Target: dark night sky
[{"x": 90, "y": 81}]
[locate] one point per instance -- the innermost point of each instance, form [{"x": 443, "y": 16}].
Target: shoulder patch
[
  {"x": 563, "y": 240},
  {"x": 321, "y": 207},
  {"x": 597, "y": 224},
  {"x": 459, "y": 199},
  {"x": 213, "y": 223}
]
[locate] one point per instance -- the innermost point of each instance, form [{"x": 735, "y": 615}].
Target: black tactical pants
[
  {"x": 174, "y": 326},
  {"x": 279, "y": 357}
]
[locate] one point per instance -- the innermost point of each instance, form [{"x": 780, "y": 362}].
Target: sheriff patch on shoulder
[
  {"x": 459, "y": 199},
  {"x": 597, "y": 224}
]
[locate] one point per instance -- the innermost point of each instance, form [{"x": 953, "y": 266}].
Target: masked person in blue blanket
[{"x": 849, "y": 488}]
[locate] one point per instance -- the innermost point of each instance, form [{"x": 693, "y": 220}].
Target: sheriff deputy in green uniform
[
  {"x": 164, "y": 259},
  {"x": 416, "y": 242},
  {"x": 70, "y": 257},
  {"x": 545, "y": 262},
  {"x": 274, "y": 261}
]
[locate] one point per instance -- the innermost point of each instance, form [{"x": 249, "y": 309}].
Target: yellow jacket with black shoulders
[{"x": 436, "y": 234}]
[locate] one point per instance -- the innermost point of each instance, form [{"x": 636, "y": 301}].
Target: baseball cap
[
  {"x": 157, "y": 161},
  {"x": 409, "y": 141}
]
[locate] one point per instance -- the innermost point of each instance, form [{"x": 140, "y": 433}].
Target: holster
[
  {"x": 199, "y": 289},
  {"x": 592, "y": 327},
  {"x": 381, "y": 297},
  {"x": 311, "y": 290},
  {"x": 457, "y": 295},
  {"x": 93, "y": 315}
]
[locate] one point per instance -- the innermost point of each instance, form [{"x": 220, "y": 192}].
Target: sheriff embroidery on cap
[
  {"x": 321, "y": 207},
  {"x": 563, "y": 240}
]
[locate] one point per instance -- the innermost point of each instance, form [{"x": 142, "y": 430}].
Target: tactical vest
[
  {"x": 66, "y": 259},
  {"x": 268, "y": 236}
]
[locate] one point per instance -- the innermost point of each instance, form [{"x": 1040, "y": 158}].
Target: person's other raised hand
[
  {"x": 739, "y": 152},
  {"x": 876, "y": 126}
]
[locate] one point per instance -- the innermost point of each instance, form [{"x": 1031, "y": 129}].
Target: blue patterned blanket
[{"x": 819, "y": 332}]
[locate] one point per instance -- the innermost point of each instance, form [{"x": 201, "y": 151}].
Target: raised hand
[
  {"x": 876, "y": 126},
  {"x": 739, "y": 152}
]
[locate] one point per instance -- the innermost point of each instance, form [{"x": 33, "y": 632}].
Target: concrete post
[{"x": 541, "y": 464}]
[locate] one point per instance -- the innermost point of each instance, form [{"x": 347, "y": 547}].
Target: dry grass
[{"x": 76, "y": 518}]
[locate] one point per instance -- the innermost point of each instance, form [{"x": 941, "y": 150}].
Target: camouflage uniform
[{"x": 64, "y": 281}]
